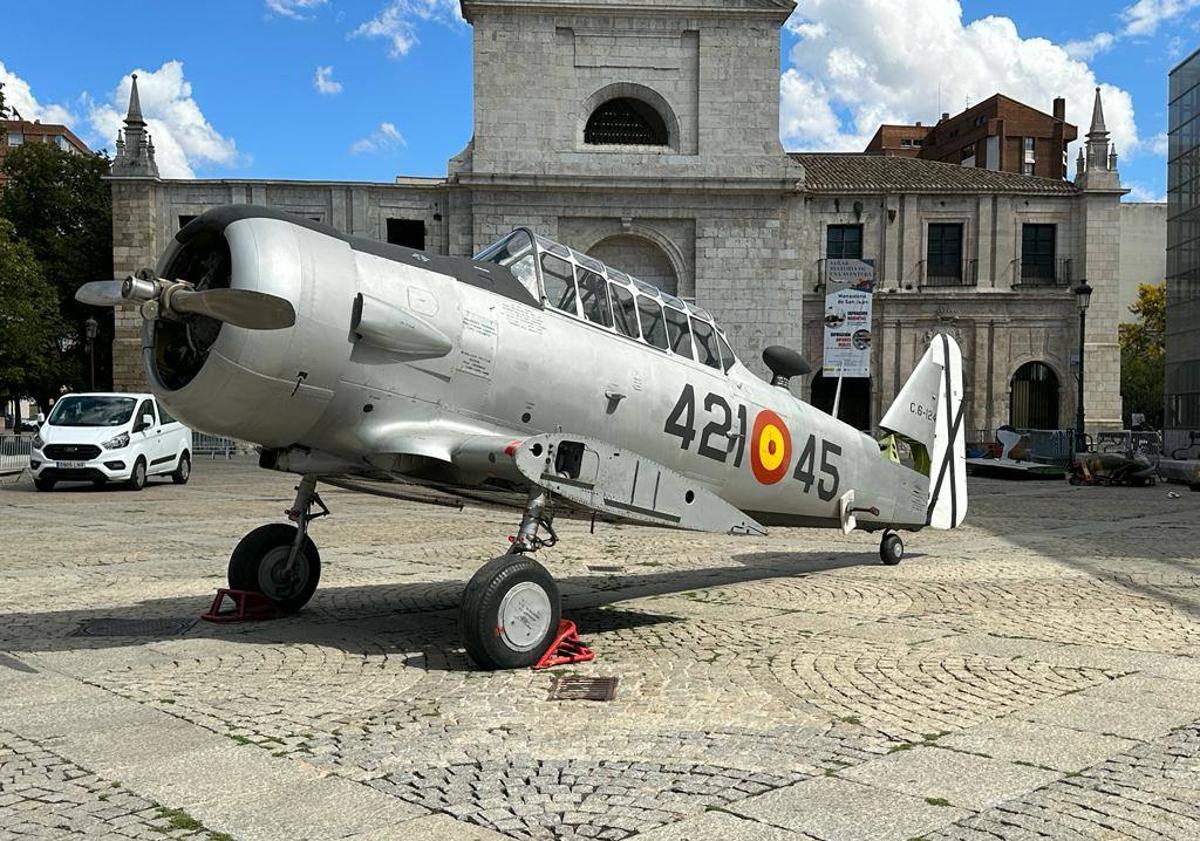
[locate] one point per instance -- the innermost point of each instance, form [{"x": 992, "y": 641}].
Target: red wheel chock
[
  {"x": 567, "y": 648},
  {"x": 247, "y": 607}
]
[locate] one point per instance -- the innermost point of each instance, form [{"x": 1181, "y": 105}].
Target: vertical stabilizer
[{"x": 929, "y": 412}]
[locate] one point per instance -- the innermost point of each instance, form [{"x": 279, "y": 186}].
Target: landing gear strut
[
  {"x": 511, "y": 607},
  {"x": 891, "y": 548},
  {"x": 279, "y": 560}
]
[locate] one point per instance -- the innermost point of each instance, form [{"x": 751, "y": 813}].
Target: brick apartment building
[
  {"x": 999, "y": 134},
  {"x": 18, "y": 132}
]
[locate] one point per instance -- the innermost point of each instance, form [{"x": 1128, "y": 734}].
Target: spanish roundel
[{"x": 770, "y": 447}]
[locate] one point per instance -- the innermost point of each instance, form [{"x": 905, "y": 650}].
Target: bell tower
[{"x": 135, "y": 148}]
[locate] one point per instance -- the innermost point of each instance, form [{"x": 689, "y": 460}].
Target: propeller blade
[
  {"x": 239, "y": 307},
  {"x": 101, "y": 293}
]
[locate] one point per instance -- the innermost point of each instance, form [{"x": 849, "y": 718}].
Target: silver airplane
[{"x": 532, "y": 376}]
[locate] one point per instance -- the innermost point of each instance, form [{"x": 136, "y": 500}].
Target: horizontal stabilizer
[{"x": 625, "y": 485}]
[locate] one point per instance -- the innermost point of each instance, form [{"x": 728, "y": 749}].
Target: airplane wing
[{"x": 586, "y": 476}]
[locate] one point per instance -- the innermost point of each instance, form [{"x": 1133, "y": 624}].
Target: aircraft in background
[{"x": 531, "y": 375}]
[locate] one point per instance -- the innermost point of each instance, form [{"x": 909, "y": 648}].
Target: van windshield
[{"x": 92, "y": 411}]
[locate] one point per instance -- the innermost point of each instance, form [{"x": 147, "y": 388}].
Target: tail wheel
[
  {"x": 137, "y": 478},
  {"x": 260, "y": 563},
  {"x": 183, "y": 470},
  {"x": 510, "y": 613},
  {"x": 891, "y": 549}
]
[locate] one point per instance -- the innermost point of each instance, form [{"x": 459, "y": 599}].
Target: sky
[{"x": 371, "y": 89}]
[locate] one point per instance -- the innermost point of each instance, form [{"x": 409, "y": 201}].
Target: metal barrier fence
[
  {"x": 14, "y": 453},
  {"x": 213, "y": 445},
  {"x": 1047, "y": 446}
]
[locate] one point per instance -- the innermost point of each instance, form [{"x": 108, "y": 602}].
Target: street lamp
[
  {"x": 91, "y": 328},
  {"x": 1083, "y": 297}
]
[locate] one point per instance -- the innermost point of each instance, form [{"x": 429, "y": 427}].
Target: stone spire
[
  {"x": 135, "y": 149},
  {"x": 1097, "y": 165}
]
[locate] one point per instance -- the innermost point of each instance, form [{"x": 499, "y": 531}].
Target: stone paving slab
[
  {"x": 937, "y": 774},
  {"x": 1044, "y": 745},
  {"x": 841, "y": 810},
  {"x": 722, "y": 826},
  {"x": 1127, "y": 720}
]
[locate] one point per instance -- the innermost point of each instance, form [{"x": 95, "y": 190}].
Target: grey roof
[{"x": 850, "y": 172}]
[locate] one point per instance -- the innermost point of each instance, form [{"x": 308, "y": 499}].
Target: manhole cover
[
  {"x": 574, "y": 688},
  {"x": 605, "y": 568},
  {"x": 17, "y": 665},
  {"x": 135, "y": 627}
]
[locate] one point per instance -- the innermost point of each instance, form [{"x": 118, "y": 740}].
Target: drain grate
[
  {"x": 605, "y": 568},
  {"x": 16, "y": 665},
  {"x": 167, "y": 627},
  {"x": 574, "y": 688}
]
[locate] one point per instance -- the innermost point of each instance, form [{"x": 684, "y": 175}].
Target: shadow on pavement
[{"x": 411, "y": 616}]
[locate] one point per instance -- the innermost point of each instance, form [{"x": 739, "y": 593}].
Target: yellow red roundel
[{"x": 770, "y": 447}]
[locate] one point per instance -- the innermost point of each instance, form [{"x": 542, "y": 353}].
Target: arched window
[
  {"x": 625, "y": 121},
  {"x": 1034, "y": 400}
]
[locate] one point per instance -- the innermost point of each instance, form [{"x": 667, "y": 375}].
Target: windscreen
[{"x": 92, "y": 411}]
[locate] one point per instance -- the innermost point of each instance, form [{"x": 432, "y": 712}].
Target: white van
[{"x": 101, "y": 438}]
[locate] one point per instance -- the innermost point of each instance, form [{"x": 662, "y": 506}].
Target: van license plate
[{"x": 71, "y": 465}]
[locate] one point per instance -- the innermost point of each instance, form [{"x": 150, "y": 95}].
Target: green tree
[
  {"x": 61, "y": 208},
  {"x": 1143, "y": 354},
  {"x": 30, "y": 327}
]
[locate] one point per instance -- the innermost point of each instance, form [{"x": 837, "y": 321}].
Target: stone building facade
[{"x": 647, "y": 134}]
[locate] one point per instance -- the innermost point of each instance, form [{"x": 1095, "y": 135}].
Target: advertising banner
[{"x": 849, "y": 285}]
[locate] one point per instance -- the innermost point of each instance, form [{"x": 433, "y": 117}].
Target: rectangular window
[
  {"x": 1029, "y": 144},
  {"x": 1027, "y": 169},
  {"x": 624, "y": 310},
  {"x": 15, "y": 138},
  {"x": 1037, "y": 253},
  {"x": 678, "y": 334},
  {"x": 706, "y": 343},
  {"x": 944, "y": 255},
  {"x": 654, "y": 330},
  {"x": 593, "y": 294},
  {"x": 407, "y": 232},
  {"x": 559, "y": 279},
  {"x": 844, "y": 241}
]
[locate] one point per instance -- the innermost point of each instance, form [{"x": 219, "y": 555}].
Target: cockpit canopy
[{"x": 583, "y": 287}]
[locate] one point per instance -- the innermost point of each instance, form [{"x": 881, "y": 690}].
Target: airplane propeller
[{"x": 239, "y": 307}]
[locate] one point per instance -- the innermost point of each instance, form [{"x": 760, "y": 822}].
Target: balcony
[
  {"x": 941, "y": 274},
  {"x": 1041, "y": 273}
]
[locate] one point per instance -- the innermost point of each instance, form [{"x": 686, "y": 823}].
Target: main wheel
[
  {"x": 259, "y": 564},
  {"x": 43, "y": 484},
  {"x": 183, "y": 471},
  {"x": 891, "y": 549},
  {"x": 137, "y": 478},
  {"x": 510, "y": 613}
]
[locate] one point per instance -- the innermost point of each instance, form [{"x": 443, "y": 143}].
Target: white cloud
[
  {"x": 294, "y": 9},
  {"x": 878, "y": 61},
  {"x": 1090, "y": 47},
  {"x": 1140, "y": 192},
  {"x": 183, "y": 137},
  {"x": 397, "y": 22},
  {"x": 1145, "y": 16},
  {"x": 18, "y": 95},
  {"x": 1158, "y": 144},
  {"x": 324, "y": 81},
  {"x": 387, "y": 136}
]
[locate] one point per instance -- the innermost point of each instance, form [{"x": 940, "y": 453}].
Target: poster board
[{"x": 849, "y": 287}]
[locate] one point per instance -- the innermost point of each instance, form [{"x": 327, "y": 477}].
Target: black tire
[
  {"x": 137, "y": 477},
  {"x": 258, "y": 560},
  {"x": 45, "y": 485},
  {"x": 891, "y": 549},
  {"x": 484, "y": 635},
  {"x": 183, "y": 470}
]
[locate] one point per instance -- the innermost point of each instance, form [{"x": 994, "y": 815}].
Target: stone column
[{"x": 135, "y": 245}]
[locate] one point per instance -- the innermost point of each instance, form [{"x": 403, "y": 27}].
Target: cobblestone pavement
[{"x": 1031, "y": 675}]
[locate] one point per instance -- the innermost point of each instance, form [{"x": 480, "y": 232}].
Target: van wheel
[
  {"x": 184, "y": 471},
  {"x": 137, "y": 479},
  {"x": 44, "y": 484}
]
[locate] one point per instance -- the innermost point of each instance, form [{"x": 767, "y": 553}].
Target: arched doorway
[
  {"x": 855, "y": 408},
  {"x": 1033, "y": 402},
  {"x": 638, "y": 257}
]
